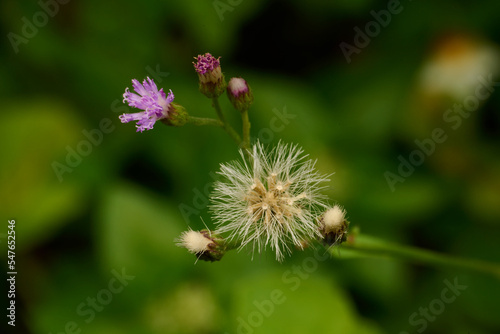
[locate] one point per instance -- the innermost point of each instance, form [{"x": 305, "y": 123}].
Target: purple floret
[{"x": 205, "y": 63}]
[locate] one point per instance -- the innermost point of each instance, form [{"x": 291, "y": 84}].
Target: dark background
[{"x": 118, "y": 207}]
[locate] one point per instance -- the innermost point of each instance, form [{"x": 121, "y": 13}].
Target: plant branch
[
  {"x": 246, "y": 130},
  {"x": 371, "y": 246},
  {"x": 204, "y": 121},
  {"x": 226, "y": 126}
]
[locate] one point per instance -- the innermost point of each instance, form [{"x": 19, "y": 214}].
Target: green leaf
[
  {"x": 292, "y": 302},
  {"x": 36, "y": 133},
  {"x": 136, "y": 230}
]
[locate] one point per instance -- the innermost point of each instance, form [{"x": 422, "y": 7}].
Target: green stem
[
  {"x": 204, "y": 121},
  {"x": 246, "y": 130},
  {"x": 367, "y": 245},
  {"x": 226, "y": 126}
]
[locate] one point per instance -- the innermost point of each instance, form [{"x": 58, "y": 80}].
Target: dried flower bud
[
  {"x": 204, "y": 244},
  {"x": 333, "y": 225},
  {"x": 240, "y": 94},
  {"x": 212, "y": 82}
]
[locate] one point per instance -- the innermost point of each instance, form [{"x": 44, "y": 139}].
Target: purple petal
[
  {"x": 145, "y": 124},
  {"x": 162, "y": 94},
  {"x": 134, "y": 100},
  {"x": 125, "y": 118},
  {"x": 139, "y": 88},
  {"x": 154, "y": 111},
  {"x": 170, "y": 96},
  {"x": 150, "y": 85}
]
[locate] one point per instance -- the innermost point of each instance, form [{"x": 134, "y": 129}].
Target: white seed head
[
  {"x": 272, "y": 198},
  {"x": 194, "y": 241},
  {"x": 333, "y": 219}
]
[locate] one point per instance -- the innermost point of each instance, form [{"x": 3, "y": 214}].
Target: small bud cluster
[
  {"x": 212, "y": 83},
  {"x": 158, "y": 106}
]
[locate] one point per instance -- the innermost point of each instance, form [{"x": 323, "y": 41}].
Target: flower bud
[
  {"x": 240, "y": 94},
  {"x": 204, "y": 244},
  {"x": 333, "y": 226},
  {"x": 177, "y": 115},
  {"x": 212, "y": 82}
]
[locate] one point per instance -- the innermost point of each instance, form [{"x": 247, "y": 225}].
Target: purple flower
[
  {"x": 206, "y": 63},
  {"x": 211, "y": 79},
  {"x": 154, "y": 103}
]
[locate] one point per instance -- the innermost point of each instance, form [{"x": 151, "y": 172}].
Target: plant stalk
[
  {"x": 371, "y": 246},
  {"x": 226, "y": 126},
  {"x": 204, "y": 121},
  {"x": 246, "y": 130}
]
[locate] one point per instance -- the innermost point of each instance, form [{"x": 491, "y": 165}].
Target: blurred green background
[{"x": 117, "y": 209}]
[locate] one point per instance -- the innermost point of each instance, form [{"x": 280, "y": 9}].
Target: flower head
[
  {"x": 156, "y": 104},
  {"x": 333, "y": 225},
  {"x": 271, "y": 199},
  {"x": 203, "y": 244},
  {"x": 206, "y": 64},
  {"x": 212, "y": 82},
  {"x": 239, "y": 94}
]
